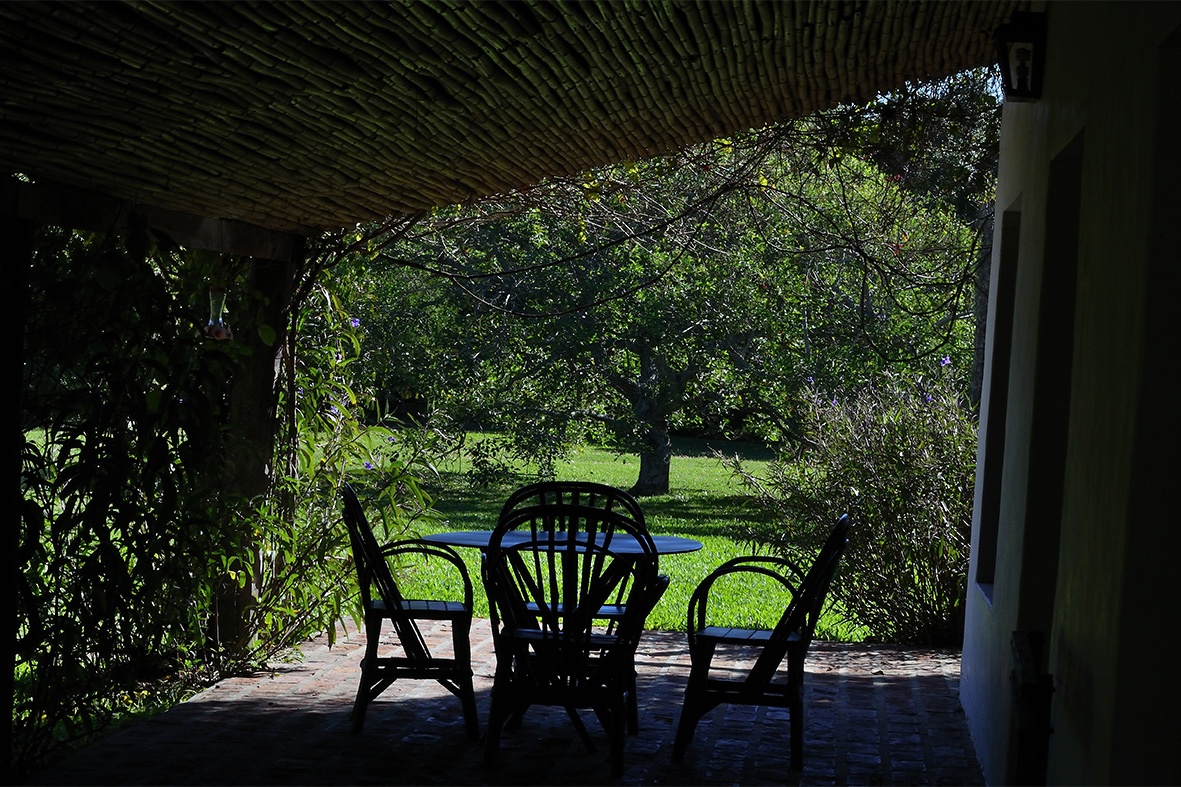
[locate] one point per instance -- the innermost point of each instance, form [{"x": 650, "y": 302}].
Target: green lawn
[{"x": 706, "y": 504}]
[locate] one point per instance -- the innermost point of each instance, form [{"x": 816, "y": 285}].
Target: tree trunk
[
  {"x": 654, "y": 395},
  {"x": 655, "y": 461}
]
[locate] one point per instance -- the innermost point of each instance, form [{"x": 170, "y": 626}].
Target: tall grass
[{"x": 707, "y": 503}]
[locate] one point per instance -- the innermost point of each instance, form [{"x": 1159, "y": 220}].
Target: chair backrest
[
  {"x": 553, "y": 496},
  {"x": 551, "y": 584},
  {"x": 576, "y": 507},
  {"x": 374, "y": 572},
  {"x": 802, "y": 615}
]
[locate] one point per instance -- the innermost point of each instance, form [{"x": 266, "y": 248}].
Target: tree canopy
[{"x": 696, "y": 291}]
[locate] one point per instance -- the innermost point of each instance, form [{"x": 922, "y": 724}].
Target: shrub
[{"x": 900, "y": 459}]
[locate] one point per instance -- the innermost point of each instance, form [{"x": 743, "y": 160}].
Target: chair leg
[
  {"x": 467, "y": 695},
  {"x": 633, "y": 705},
  {"x": 515, "y": 718},
  {"x": 496, "y": 719},
  {"x": 797, "y": 728},
  {"x": 796, "y": 708},
  {"x": 580, "y": 728},
  {"x": 613, "y": 718},
  {"x": 368, "y": 674},
  {"x": 685, "y": 729},
  {"x": 615, "y": 724},
  {"x": 697, "y": 701},
  {"x": 695, "y": 706},
  {"x": 360, "y": 705}
]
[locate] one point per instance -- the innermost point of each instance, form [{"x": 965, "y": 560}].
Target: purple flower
[
  {"x": 368, "y": 465},
  {"x": 945, "y": 360},
  {"x": 355, "y": 322}
]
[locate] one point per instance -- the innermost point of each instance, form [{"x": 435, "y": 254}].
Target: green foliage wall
[
  {"x": 127, "y": 527},
  {"x": 119, "y": 528}
]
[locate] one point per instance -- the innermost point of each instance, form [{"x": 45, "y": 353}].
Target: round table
[{"x": 478, "y": 539}]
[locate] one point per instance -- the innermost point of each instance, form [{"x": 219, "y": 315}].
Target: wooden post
[
  {"x": 253, "y": 402},
  {"x": 16, "y": 255}
]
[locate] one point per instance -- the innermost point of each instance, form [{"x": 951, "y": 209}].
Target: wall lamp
[{"x": 1021, "y": 52}]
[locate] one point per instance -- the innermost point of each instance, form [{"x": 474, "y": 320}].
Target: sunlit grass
[{"x": 707, "y": 503}]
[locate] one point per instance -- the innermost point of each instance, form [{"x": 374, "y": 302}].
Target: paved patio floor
[{"x": 875, "y": 715}]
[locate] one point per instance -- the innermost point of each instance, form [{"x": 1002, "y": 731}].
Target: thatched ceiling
[{"x": 298, "y": 116}]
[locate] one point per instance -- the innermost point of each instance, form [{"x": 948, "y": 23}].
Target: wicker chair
[
  {"x": 789, "y": 640},
  {"x": 547, "y": 595},
  {"x": 382, "y": 601},
  {"x": 554, "y": 498}
]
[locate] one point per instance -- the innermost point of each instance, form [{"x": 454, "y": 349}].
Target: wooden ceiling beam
[{"x": 66, "y": 206}]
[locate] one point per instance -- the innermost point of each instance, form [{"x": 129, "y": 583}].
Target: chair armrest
[
  {"x": 427, "y": 549},
  {"x": 784, "y": 571}
]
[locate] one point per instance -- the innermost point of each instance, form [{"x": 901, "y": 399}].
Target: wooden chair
[
  {"x": 762, "y": 683},
  {"x": 553, "y": 501},
  {"x": 554, "y": 646},
  {"x": 382, "y": 601}
]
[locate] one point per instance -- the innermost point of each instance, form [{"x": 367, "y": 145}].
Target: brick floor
[{"x": 875, "y": 715}]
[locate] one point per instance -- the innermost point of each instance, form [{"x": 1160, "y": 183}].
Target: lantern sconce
[{"x": 1021, "y": 53}]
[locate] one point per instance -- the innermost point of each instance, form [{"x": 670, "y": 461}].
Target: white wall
[{"x": 1075, "y": 528}]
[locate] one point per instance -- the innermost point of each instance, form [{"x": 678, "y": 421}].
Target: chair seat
[
  {"x": 424, "y": 609},
  {"x": 607, "y": 611},
  {"x": 595, "y": 640},
  {"x": 735, "y": 636}
]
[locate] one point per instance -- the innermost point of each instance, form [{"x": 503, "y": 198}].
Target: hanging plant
[{"x": 217, "y": 329}]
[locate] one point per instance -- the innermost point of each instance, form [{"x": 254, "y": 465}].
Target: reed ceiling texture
[{"x": 298, "y": 116}]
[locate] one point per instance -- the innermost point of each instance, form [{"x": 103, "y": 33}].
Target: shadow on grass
[
  {"x": 465, "y": 507},
  {"x": 709, "y": 447},
  {"x": 704, "y": 513}
]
